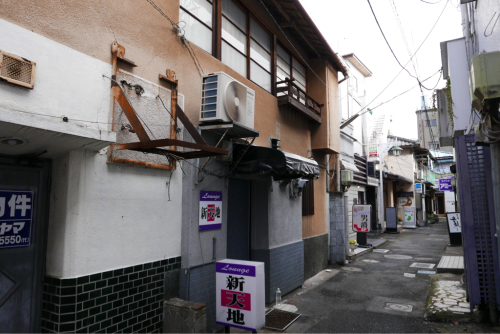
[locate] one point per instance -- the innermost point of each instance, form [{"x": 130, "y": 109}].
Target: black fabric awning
[{"x": 264, "y": 161}]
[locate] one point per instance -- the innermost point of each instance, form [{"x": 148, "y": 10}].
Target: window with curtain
[{"x": 195, "y": 18}]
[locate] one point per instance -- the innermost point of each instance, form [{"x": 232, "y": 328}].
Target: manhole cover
[
  {"x": 371, "y": 261},
  {"x": 422, "y": 265},
  {"x": 380, "y": 250},
  {"x": 409, "y": 275},
  {"x": 280, "y": 320},
  {"x": 398, "y": 307},
  {"x": 398, "y": 257},
  {"x": 351, "y": 269}
]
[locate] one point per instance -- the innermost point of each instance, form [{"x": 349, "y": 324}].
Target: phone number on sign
[{"x": 13, "y": 240}]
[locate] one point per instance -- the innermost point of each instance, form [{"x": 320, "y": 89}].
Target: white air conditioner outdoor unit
[
  {"x": 420, "y": 175},
  {"x": 225, "y": 100}
]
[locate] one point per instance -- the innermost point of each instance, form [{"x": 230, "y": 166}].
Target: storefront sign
[
  {"x": 361, "y": 215},
  {"x": 210, "y": 210},
  {"x": 418, "y": 188},
  {"x": 16, "y": 218},
  {"x": 405, "y": 202},
  {"x": 240, "y": 294},
  {"x": 409, "y": 217},
  {"x": 454, "y": 223},
  {"x": 445, "y": 185}
]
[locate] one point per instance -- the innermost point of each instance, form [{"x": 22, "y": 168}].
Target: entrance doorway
[
  {"x": 441, "y": 210},
  {"x": 371, "y": 199},
  {"x": 238, "y": 220},
  {"x": 23, "y": 212}
]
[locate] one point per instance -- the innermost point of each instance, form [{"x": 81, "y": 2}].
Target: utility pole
[{"x": 382, "y": 150}]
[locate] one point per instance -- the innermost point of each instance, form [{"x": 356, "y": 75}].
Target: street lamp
[{"x": 396, "y": 150}]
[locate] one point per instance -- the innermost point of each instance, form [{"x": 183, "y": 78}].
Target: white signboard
[
  {"x": 418, "y": 188},
  {"x": 409, "y": 217},
  {"x": 361, "y": 215},
  {"x": 240, "y": 294},
  {"x": 449, "y": 201},
  {"x": 210, "y": 210},
  {"x": 454, "y": 222}
]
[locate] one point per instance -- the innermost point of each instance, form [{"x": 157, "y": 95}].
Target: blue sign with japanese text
[{"x": 16, "y": 218}]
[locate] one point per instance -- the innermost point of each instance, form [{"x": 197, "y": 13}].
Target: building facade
[{"x": 115, "y": 205}]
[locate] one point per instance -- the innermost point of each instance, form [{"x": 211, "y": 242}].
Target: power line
[
  {"x": 406, "y": 63},
  {"x": 390, "y": 48},
  {"x": 406, "y": 91}
]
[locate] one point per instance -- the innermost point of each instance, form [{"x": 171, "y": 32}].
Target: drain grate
[{"x": 280, "y": 320}]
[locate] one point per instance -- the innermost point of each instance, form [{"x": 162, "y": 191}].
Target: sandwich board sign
[
  {"x": 409, "y": 217},
  {"x": 240, "y": 294},
  {"x": 210, "y": 210},
  {"x": 361, "y": 215},
  {"x": 454, "y": 228}
]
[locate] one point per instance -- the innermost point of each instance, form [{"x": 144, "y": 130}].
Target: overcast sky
[{"x": 349, "y": 27}]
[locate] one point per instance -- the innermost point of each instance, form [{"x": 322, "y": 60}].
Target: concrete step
[{"x": 451, "y": 264}]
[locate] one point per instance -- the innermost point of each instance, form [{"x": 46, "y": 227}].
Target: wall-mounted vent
[{"x": 17, "y": 70}]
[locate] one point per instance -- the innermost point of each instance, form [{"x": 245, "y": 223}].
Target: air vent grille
[{"x": 17, "y": 70}]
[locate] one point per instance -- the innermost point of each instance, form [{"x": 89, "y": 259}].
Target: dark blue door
[{"x": 238, "y": 220}]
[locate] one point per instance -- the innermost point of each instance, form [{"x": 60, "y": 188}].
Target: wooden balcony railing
[{"x": 291, "y": 95}]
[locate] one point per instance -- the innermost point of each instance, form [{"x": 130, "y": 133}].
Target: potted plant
[{"x": 352, "y": 245}]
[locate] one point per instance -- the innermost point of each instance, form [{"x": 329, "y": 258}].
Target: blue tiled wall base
[
  {"x": 286, "y": 265},
  {"x": 122, "y": 300},
  {"x": 202, "y": 290}
]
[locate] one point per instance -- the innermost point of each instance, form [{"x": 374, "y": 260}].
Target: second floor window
[
  {"x": 289, "y": 68},
  {"x": 244, "y": 44},
  {"x": 195, "y": 18}
]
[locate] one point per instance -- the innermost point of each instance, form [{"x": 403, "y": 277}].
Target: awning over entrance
[
  {"x": 264, "y": 161},
  {"x": 350, "y": 166}
]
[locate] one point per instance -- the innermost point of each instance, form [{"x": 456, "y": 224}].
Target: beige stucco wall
[{"x": 91, "y": 26}]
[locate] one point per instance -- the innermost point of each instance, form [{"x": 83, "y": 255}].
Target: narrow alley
[{"x": 358, "y": 297}]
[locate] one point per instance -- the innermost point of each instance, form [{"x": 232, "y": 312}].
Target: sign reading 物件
[
  {"x": 240, "y": 294},
  {"x": 16, "y": 218},
  {"x": 445, "y": 184},
  {"x": 418, "y": 188},
  {"x": 210, "y": 210},
  {"x": 361, "y": 215}
]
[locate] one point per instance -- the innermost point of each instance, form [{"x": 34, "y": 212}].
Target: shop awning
[
  {"x": 391, "y": 177},
  {"x": 264, "y": 161},
  {"x": 350, "y": 166}
]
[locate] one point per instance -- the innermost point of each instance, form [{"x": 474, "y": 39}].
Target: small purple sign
[
  {"x": 210, "y": 210},
  {"x": 211, "y": 196},
  {"x": 445, "y": 185},
  {"x": 237, "y": 269}
]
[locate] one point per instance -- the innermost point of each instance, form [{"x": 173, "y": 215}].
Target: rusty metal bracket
[{"x": 145, "y": 144}]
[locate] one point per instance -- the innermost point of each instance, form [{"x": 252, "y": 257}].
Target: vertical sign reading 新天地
[
  {"x": 210, "y": 210},
  {"x": 16, "y": 218},
  {"x": 240, "y": 294}
]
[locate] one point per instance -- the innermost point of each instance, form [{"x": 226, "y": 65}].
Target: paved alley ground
[{"x": 372, "y": 294}]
